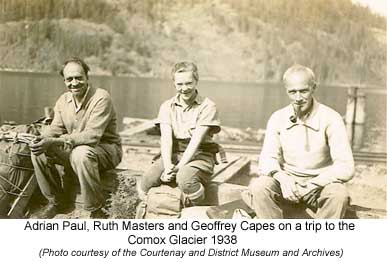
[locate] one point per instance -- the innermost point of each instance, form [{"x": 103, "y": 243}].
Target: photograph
[{"x": 193, "y": 109}]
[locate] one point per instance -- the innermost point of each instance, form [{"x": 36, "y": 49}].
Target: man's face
[
  {"x": 75, "y": 79},
  {"x": 300, "y": 92},
  {"x": 185, "y": 85}
]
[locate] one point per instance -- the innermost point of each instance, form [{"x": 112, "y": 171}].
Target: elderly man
[
  {"x": 187, "y": 123},
  {"x": 82, "y": 137},
  {"x": 306, "y": 156}
]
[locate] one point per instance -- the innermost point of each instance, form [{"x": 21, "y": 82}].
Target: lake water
[{"x": 23, "y": 96}]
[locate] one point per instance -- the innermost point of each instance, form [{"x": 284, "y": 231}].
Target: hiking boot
[
  {"x": 48, "y": 211},
  {"x": 99, "y": 214}
]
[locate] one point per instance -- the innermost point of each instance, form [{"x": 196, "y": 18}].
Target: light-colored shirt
[
  {"x": 315, "y": 149},
  {"x": 184, "y": 119},
  {"x": 91, "y": 122}
]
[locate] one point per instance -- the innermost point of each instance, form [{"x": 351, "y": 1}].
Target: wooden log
[
  {"x": 355, "y": 116},
  {"x": 360, "y": 114},
  {"x": 221, "y": 193},
  {"x": 144, "y": 126},
  {"x": 19, "y": 205},
  {"x": 233, "y": 169},
  {"x": 351, "y": 105},
  {"x": 223, "y": 166}
]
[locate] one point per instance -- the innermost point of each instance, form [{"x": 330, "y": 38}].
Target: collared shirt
[
  {"x": 78, "y": 106},
  {"x": 314, "y": 149},
  {"x": 92, "y": 123},
  {"x": 184, "y": 119}
]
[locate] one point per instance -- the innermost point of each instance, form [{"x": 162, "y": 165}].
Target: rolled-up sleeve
[
  {"x": 209, "y": 116},
  {"x": 100, "y": 116},
  {"x": 164, "y": 116},
  {"x": 271, "y": 154},
  {"x": 342, "y": 168}
]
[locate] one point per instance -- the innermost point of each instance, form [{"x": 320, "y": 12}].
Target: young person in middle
[{"x": 187, "y": 122}]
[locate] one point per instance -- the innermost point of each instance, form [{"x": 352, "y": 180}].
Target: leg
[
  {"x": 48, "y": 178},
  {"x": 333, "y": 201},
  {"x": 84, "y": 160},
  {"x": 190, "y": 180},
  {"x": 267, "y": 196}
]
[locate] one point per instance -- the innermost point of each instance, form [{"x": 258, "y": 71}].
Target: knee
[
  {"x": 336, "y": 192},
  {"x": 187, "y": 182},
  {"x": 261, "y": 186},
  {"x": 81, "y": 155}
]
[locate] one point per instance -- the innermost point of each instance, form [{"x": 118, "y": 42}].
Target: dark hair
[
  {"x": 185, "y": 67},
  {"x": 78, "y": 61}
]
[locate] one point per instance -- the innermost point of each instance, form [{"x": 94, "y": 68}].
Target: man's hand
[
  {"x": 305, "y": 188},
  {"x": 40, "y": 145},
  {"x": 288, "y": 186}
]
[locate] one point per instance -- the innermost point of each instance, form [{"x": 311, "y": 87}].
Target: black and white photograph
[{"x": 193, "y": 110}]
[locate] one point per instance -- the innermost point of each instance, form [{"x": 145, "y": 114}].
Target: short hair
[
  {"x": 184, "y": 66},
  {"x": 302, "y": 69},
  {"x": 78, "y": 61}
]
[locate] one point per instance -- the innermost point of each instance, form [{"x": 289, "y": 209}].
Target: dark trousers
[{"x": 85, "y": 162}]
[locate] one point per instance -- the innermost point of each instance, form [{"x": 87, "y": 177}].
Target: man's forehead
[
  {"x": 298, "y": 79},
  {"x": 72, "y": 68}
]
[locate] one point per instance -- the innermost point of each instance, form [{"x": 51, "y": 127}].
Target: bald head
[{"x": 299, "y": 75}]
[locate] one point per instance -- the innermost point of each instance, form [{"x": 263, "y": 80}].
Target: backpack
[
  {"x": 15, "y": 162},
  {"x": 161, "y": 202}
]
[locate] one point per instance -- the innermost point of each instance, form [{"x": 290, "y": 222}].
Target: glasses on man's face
[{"x": 71, "y": 78}]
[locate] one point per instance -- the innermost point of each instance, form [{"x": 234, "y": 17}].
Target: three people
[
  {"x": 306, "y": 156},
  {"x": 305, "y": 159},
  {"x": 187, "y": 123},
  {"x": 82, "y": 137}
]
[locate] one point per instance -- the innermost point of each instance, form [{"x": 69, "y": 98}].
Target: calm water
[{"x": 24, "y": 95}]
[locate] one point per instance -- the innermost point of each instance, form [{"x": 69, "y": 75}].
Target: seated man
[
  {"x": 82, "y": 137},
  {"x": 187, "y": 122},
  {"x": 306, "y": 156}
]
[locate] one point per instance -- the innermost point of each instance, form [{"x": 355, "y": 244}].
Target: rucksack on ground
[
  {"x": 15, "y": 162},
  {"x": 161, "y": 202}
]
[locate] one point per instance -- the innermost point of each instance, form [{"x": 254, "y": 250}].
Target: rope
[
  {"x": 15, "y": 137},
  {"x": 13, "y": 187},
  {"x": 18, "y": 167}
]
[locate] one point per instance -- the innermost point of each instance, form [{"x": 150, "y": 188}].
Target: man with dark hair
[
  {"x": 82, "y": 137},
  {"x": 306, "y": 156},
  {"x": 187, "y": 122}
]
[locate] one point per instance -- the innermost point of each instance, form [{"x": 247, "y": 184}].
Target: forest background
[{"x": 245, "y": 40}]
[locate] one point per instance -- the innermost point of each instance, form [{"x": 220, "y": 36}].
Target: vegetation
[
  {"x": 246, "y": 40},
  {"x": 123, "y": 202}
]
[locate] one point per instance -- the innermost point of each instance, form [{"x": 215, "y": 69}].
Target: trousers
[
  {"x": 191, "y": 179},
  {"x": 85, "y": 162},
  {"x": 330, "y": 201}
]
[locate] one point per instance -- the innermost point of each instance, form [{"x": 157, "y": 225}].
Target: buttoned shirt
[
  {"x": 315, "y": 149},
  {"x": 185, "y": 118},
  {"x": 91, "y": 122}
]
